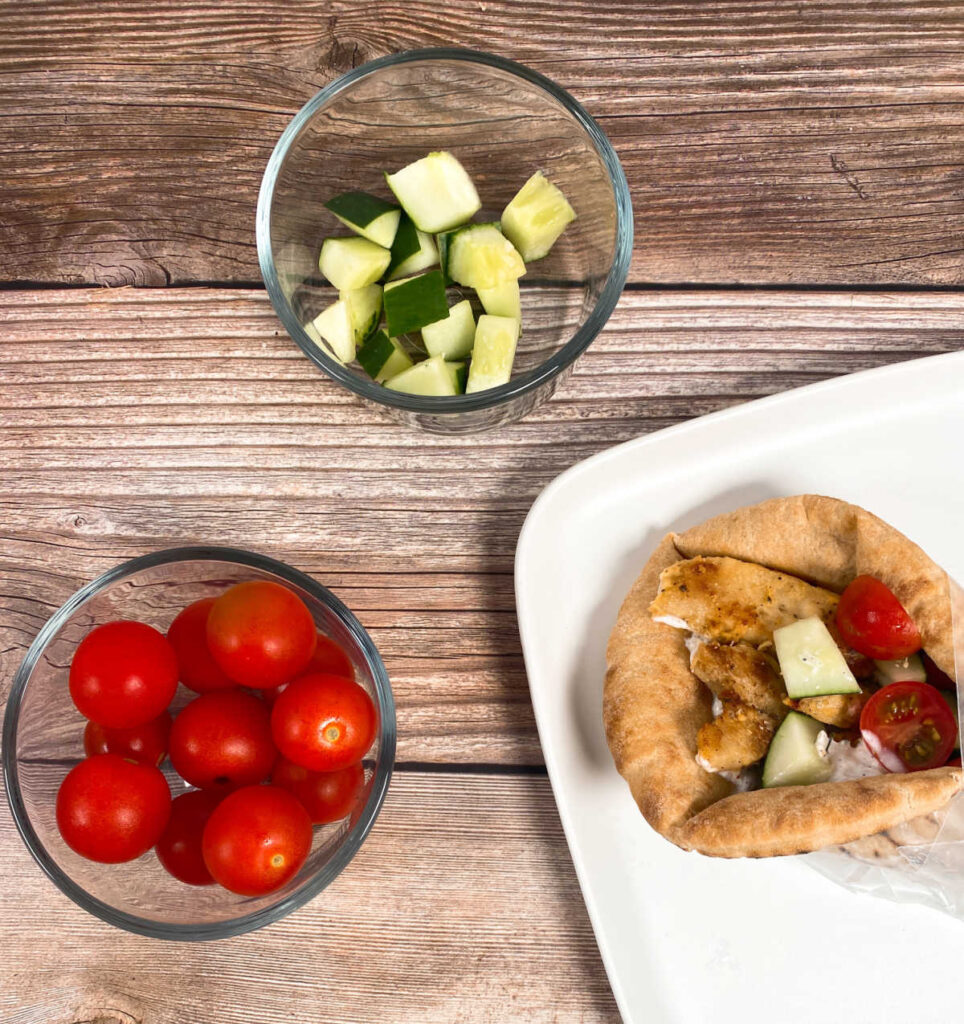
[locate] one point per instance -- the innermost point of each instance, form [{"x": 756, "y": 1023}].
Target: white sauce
[
  {"x": 851, "y": 762},
  {"x": 672, "y": 620}
]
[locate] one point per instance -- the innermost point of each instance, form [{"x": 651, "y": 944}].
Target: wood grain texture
[
  {"x": 788, "y": 143},
  {"x": 133, "y": 420},
  {"x": 461, "y": 905}
]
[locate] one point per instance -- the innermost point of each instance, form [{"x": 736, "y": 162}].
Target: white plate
[{"x": 687, "y": 938}]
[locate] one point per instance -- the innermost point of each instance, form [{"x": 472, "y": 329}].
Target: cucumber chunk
[
  {"x": 453, "y": 336},
  {"x": 460, "y": 374},
  {"x": 794, "y": 759},
  {"x": 431, "y": 377},
  {"x": 382, "y": 357},
  {"x": 352, "y": 263},
  {"x": 502, "y": 300},
  {"x": 901, "y": 670},
  {"x": 334, "y": 326},
  {"x": 413, "y": 302},
  {"x": 537, "y": 215},
  {"x": 493, "y": 352},
  {"x": 312, "y": 332},
  {"x": 810, "y": 661},
  {"x": 373, "y": 218},
  {"x": 413, "y": 251},
  {"x": 480, "y": 256},
  {"x": 364, "y": 310},
  {"x": 436, "y": 192}
]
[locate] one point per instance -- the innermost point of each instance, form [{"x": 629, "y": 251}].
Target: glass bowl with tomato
[{"x": 198, "y": 742}]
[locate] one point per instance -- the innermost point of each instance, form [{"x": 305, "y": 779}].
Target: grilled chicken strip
[
  {"x": 739, "y": 672},
  {"x": 838, "y": 709},
  {"x": 737, "y": 737},
  {"x": 727, "y": 600}
]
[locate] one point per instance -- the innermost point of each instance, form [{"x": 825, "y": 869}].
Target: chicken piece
[
  {"x": 838, "y": 709},
  {"x": 727, "y": 600},
  {"x": 739, "y": 672},
  {"x": 737, "y": 737}
]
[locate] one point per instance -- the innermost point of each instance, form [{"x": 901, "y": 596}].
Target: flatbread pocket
[{"x": 654, "y": 706}]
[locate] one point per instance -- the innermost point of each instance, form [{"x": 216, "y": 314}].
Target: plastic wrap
[{"x": 921, "y": 861}]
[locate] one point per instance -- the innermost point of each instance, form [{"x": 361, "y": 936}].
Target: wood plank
[
  {"x": 133, "y": 420},
  {"x": 788, "y": 143},
  {"x": 462, "y": 905}
]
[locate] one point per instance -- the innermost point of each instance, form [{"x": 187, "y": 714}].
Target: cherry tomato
[
  {"x": 908, "y": 727},
  {"x": 187, "y": 634},
  {"x": 935, "y": 676},
  {"x": 329, "y": 658},
  {"x": 873, "y": 621},
  {"x": 955, "y": 762},
  {"x": 326, "y": 796},
  {"x": 223, "y": 740},
  {"x": 256, "y": 840},
  {"x": 123, "y": 674},
  {"x": 111, "y": 810},
  {"x": 323, "y": 722},
  {"x": 145, "y": 743},
  {"x": 261, "y": 634},
  {"x": 179, "y": 848}
]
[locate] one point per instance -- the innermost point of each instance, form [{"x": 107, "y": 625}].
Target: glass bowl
[
  {"x": 43, "y": 739},
  {"x": 503, "y": 122}
]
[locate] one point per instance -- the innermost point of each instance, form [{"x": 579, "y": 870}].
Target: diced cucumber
[
  {"x": 413, "y": 302},
  {"x": 430, "y": 377},
  {"x": 373, "y": 218},
  {"x": 453, "y": 336},
  {"x": 443, "y": 242},
  {"x": 902, "y": 670},
  {"x": 794, "y": 759},
  {"x": 364, "y": 310},
  {"x": 334, "y": 326},
  {"x": 414, "y": 251},
  {"x": 436, "y": 192},
  {"x": 537, "y": 215},
  {"x": 951, "y": 699},
  {"x": 382, "y": 357},
  {"x": 352, "y": 263},
  {"x": 493, "y": 352},
  {"x": 502, "y": 300},
  {"x": 460, "y": 374},
  {"x": 312, "y": 332},
  {"x": 811, "y": 663},
  {"x": 480, "y": 256}
]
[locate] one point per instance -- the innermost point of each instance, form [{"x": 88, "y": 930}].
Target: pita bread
[{"x": 653, "y": 705}]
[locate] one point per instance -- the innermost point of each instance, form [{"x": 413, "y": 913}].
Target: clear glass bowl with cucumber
[{"x": 444, "y": 232}]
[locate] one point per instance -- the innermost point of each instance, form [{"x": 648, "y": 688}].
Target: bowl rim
[
  {"x": 351, "y": 842},
  {"x": 560, "y": 360}
]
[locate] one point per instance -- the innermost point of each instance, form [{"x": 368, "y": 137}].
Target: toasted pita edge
[{"x": 653, "y": 705}]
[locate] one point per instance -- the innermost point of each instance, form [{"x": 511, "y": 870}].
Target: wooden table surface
[{"x": 797, "y": 173}]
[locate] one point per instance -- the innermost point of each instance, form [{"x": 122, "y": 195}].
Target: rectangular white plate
[{"x": 687, "y": 938}]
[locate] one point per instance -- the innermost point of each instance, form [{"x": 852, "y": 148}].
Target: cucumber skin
[
  {"x": 405, "y": 244},
  {"x": 344, "y": 204},
  {"x": 375, "y": 353},
  {"x": 400, "y": 315}
]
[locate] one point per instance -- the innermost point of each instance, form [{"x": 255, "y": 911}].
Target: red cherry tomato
[
  {"x": 261, "y": 634},
  {"x": 935, "y": 676},
  {"x": 330, "y": 659},
  {"x": 955, "y": 762},
  {"x": 187, "y": 634},
  {"x": 323, "y": 722},
  {"x": 908, "y": 727},
  {"x": 872, "y": 621},
  {"x": 111, "y": 810},
  {"x": 179, "y": 848},
  {"x": 326, "y": 796},
  {"x": 222, "y": 740},
  {"x": 256, "y": 840},
  {"x": 146, "y": 744},
  {"x": 123, "y": 674}
]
